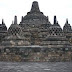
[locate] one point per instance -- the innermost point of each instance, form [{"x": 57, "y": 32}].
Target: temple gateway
[{"x": 35, "y": 39}]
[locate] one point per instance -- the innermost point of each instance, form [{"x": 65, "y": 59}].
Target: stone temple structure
[{"x": 35, "y": 39}]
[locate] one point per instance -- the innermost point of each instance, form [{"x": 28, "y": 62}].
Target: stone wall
[{"x": 36, "y": 55}]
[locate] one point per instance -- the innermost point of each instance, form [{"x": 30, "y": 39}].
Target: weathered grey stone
[{"x": 36, "y": 39}]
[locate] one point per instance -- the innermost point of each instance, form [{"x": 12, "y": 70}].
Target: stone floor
[{"x": 35, "y": 66}]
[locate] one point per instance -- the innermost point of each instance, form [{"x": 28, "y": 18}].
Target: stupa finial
[
  {"x": 67, "y": 20},
  {"x": 3, "y": 21},
  {"x": 35, "y": 7},
  {"x": 55, "y": 20},
  {"x": 15, "y": 20}
]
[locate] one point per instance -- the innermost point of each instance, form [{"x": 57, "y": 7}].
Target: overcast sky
[{"x": 61, "y": 8}]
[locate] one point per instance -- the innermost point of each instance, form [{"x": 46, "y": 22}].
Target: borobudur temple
[{"x": 35, "y": 39}]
